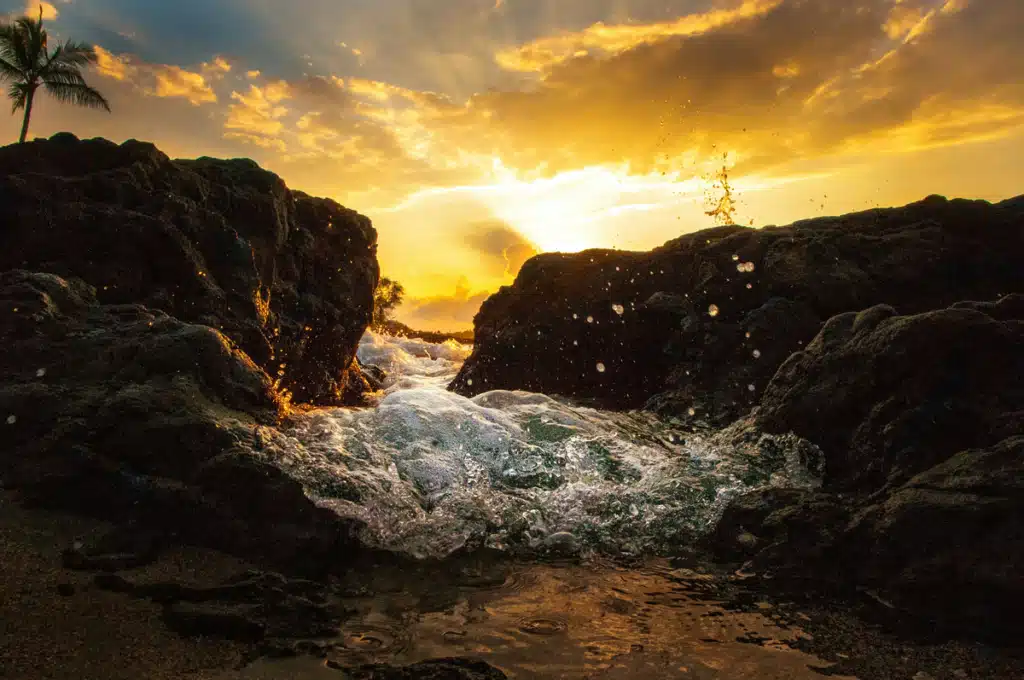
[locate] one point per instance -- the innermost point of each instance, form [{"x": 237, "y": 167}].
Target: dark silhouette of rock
[
  {"x": 670, "y": 327},
  {"x": 887, "y": 397},
  {"x": 289, "y": 278},
  {"x": 125, "y": 413},
  {"x": 434, "y": 669},
  {"x": 921, "y": 422}
]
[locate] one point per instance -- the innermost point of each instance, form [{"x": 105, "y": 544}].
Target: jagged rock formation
[
  {"x": 921, "y": 421},
  {"x": 126, "y": 413},
  {"x": 704, "y": 321},
  {"x": 225, "y": 244}
]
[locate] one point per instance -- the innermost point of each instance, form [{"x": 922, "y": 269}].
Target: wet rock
[
  {"x": 123, "y": 547},
  {"x": 888, "y": 396},
  {"x": 233, "y": 622},
  {"x": 435, "y": 669},
  {"x": 919, "y": 418},
  {"x": 125, "y": 413},
  {"x": 287, "y": 277},
  {"x": 682, "y": 339},
  {"x": 255, "y": 607}
]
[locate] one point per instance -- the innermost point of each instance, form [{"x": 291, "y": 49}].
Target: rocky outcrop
[
  {"x": 289, "y": 278},
  {"x": 704, "y": 321},
  {"x": 888, "y": 397},
  {"x": 921, "y": 422},
  {"x": 126, "y": 413}
]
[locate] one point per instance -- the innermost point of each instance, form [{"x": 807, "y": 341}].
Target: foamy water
[{"x": 431, "y": 472}]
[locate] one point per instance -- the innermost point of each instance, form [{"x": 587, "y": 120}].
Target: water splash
[{"x": 431, "y": 472}]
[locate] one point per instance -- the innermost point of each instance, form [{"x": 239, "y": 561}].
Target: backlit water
[{"x": 542, "y": 504}]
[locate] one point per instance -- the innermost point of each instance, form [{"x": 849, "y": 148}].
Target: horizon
[{"x": 476, "y": 133}]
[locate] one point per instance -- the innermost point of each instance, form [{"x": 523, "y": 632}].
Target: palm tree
[{"x": 26, "y": 64}]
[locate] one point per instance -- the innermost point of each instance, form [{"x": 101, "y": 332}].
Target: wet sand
[{"x": 91, "y": 634}]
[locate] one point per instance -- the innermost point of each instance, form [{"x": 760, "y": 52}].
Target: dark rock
[
  {"x": 127, "y": 414},
  {"x": 287, "y": 277},
  {"x": 257, "y": 606},
  {"x": 233, "y": 622},
  {"x": 666, "y": 349},
  {"x": 435, "y": 669},
  {"x": 65, "y": 589},
  {"x": 887, "y": 397},
  {"x": 920, "y": 422},
  {"x": 123, "y": 547}
]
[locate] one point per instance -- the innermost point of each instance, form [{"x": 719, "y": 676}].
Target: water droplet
[
  {"x": 600, "y": 367},
  {"x": 713, "y": 310},
  {"x": 590, "y": 319},
  {"x": 751, "y": 388},
  {"x": 40, "y": 373},
  {"x": 735, "y": 258},
  {"x": 748, "y": 334},
  {"x": 576, "y": 343},
  {"x": 619, "y": 309},
  {"x": 469, "y": 381},
  {"x": 757, "y": 354},
  {"x": 750, "y": 286},
  {"x": 575, "y": 316},
  {"x": 692, "y": 411},
  {"x": 12, "y": 419}
]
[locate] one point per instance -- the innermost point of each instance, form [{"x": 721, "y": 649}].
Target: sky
[{"x": 476, "y": 133}]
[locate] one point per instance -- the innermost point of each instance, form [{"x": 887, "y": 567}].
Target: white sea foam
[{"x": 430, "y": 471}]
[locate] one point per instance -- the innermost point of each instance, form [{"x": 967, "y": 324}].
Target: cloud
[
  {"x": 504, "y": 248},
  {"x": 768, "y": 82},
  {"x": 544, "y": 53},
  {"x": 163, "y": 80},
  {"x": 173, "y": 81},
  {"x": 443, "y": 312},
  {"x": 114, "y": 66},
  {"x": 256, "y": 115},
  {"x": 32, "y": 8}
]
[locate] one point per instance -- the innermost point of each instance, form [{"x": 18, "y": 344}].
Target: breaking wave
[{"x": 431, "y": 472}]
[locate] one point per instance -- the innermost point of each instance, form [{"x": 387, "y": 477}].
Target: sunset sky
[{"x": 477, "y": 132}]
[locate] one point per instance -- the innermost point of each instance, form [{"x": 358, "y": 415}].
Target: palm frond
[
  {"x": 18, "y": 94},
  {"x": 9, "y": 71},
  {"x": 73, "y": 54},
  {"x": 79, "y": 94},
  {"x": 57, "y": 74},
  {"x": 14, "y": 47}
]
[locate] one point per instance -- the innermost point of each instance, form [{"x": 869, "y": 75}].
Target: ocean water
[{"x": 431, "y": 472}]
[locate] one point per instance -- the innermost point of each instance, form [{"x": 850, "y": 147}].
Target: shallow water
[
  {"x": 432, "y": 472},
  {"x": 500, "y": 483},
  {"x": 568, "y": 621}
]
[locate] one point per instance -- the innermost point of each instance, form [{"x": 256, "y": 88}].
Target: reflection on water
[{"x": 556, "y": 621}]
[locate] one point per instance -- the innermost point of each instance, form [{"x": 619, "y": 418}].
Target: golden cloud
[
  {"x": 257, "y": 114},
  {"x": 767, "y": 81},
  {"x": 114, "y": 66},
  {"x": 163, "y": 80},
  {"x": 173, "y": 81},
  {"x": 540, "y": 55},
  {"x": 33, "y": 7}
]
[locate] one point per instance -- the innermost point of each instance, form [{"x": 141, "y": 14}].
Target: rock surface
[
  {"x": 921, "y": 422},
  {"x": 434, "y": 669},
  {"x": 289, "y": 278},
  {"x": 125, "y": 413},
  {"x": 704, "y": 321}
]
